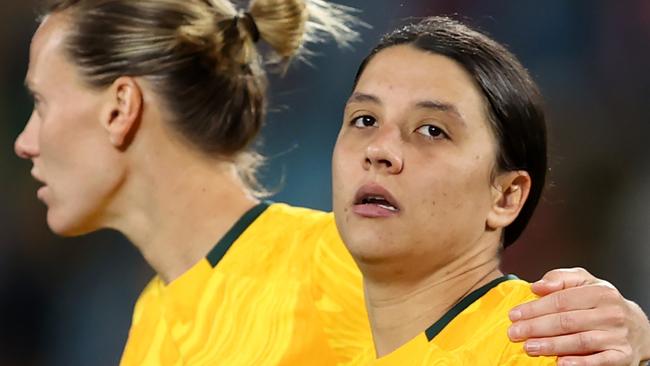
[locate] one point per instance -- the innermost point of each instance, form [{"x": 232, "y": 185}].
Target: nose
[
  {"x": 383, "y": 154},
  {"x": 26, "y": 145}
]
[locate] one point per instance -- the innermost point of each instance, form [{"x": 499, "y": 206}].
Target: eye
[
  {"x": 364, "y": 121},
  {"x": 432, "y": 132}
]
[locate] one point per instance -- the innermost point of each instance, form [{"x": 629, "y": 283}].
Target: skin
[
  {"x": 64, "y": 146},
  {"x": 438, "y": 163},
  {"x": 103, "y": 157},
  {"x": 579, "y": 314},
  {"x": 104, "y": 160},
  {"x": 580, "y": 317}
]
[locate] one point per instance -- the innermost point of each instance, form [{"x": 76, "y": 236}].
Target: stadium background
[{"x": 68, "y": 301}]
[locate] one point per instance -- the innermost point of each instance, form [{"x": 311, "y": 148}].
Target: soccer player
[
  {"x": 143, "y": 116},
  {"x": 439, "y": 164},
  {"x": 144, "y": 112}
]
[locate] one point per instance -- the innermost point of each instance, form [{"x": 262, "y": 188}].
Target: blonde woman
[{"x": 144, "y": 111}]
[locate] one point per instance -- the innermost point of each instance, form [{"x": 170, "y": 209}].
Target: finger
[
  {"x": 583, "y": 343},
  {"x": 606, "y": 358},
  {"x": 577, "y": 298},
  {"x": 564, "y": 278},
  {"x": 545, "y": 287},
  {"x": 564, "y": 323}
]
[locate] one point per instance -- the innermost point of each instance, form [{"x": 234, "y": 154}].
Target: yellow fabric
[
  {"x": 276, "y": 298},
  {"x": 476, "y": 336}
]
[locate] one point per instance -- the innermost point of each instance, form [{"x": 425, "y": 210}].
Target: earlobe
[
  {"x": 509, "y": 192},
  {"x": 124, "y": 111}
]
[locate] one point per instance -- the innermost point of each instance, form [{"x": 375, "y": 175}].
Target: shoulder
[
  {"x": 305, "y": 227},
  {"x": 300, "y": 219},
  {"x": 480, "y": 331}
]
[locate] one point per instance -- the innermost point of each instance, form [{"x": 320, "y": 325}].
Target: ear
[
  {"x": 124, "y": 109},
  {"x": 509, "y": 193}
]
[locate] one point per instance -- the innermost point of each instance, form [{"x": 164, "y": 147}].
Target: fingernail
[
  {"x": 514, "y": 332},
  {"x": 515, "y": 315},
  {"x": 532, "y": 347}
]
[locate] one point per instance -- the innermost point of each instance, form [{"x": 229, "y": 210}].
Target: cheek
[
  {"x": 338, "y": 172},
  {"x": 455, "y": 193},
  {"x": 83, "y": 193},
  {"x": 68, "y": 129},
  {"x": 80, "y": 163}
]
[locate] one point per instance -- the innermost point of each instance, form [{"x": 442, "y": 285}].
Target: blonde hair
[{"x": 201, "y": 57}]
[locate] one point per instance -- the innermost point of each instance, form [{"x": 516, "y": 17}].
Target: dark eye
[
  {"x": 364, "y": 121},
  {"x": 431, "y": 131}
]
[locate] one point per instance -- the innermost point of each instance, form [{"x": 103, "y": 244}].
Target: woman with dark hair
[
  {"x": 144, "y": 112},
  {"x": 438, "y": 167}
]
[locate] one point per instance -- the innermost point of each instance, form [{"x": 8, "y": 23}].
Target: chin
[
  {"x": 370, "y": 248},
  {"x": 66, "y": 226}
]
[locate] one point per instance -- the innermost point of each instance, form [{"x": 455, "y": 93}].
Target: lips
[
  {"x": 372, "y": 200},
  {"x": 41, "y": 191},
  {"x": 37, "y": 177}
]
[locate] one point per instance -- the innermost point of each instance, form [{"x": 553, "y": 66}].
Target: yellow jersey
[
  {"x": 473, "y": 332},
  {"x": 278, "y": 289}
]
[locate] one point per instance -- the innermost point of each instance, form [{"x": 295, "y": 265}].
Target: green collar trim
[
  {"x": 439, "y": 325},
  {"x": 220, "y": 249}
]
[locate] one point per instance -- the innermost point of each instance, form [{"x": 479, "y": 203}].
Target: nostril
[
  {"x": 383, "y": 162},
  {"x": 22, "y": 149}
]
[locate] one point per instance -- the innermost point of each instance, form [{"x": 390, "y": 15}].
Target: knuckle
[
  {"x": 561, "y": 301},
  {"x": 585, "y": 342},
  {"x": 617, "y": 317},
  {"x": 567, "y": 323},
  {"x": 580, "y": 271},
  {"x": 608, "y": 294}
]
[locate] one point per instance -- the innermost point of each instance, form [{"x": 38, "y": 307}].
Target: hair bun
[{"x": 250, "y": 25}]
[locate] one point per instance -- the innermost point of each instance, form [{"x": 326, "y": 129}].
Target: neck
[
  {"x": 400, "y": 310},
  {"x": 177, "y": 207}
]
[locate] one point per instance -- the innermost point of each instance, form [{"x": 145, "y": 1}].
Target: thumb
[
  {"x": 545, "y": 287},
  {"x": 560, "y": 279}
]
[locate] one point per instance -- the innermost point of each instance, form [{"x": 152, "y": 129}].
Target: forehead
[
  {"x": 46, "y": 51},
  {"x": 404, "y": 74}
]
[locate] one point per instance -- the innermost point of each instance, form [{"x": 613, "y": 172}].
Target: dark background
[{"x": 68, "y": 301}]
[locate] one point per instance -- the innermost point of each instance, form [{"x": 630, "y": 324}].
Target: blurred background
[{"x": 69, "y": 301}]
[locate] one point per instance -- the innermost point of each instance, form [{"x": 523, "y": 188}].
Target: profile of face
[
  {"x": 65, "y": 137},
  {"x": 414, "y": 166}
]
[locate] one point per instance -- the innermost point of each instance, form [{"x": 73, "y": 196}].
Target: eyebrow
[
  {"x": 437, "y": 105},
  {"x": 434, "y": 105},
  {"x": 362, "y": 97}
]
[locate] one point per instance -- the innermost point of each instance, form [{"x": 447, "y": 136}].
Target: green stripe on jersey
[{"x": 219, "y": 250}]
